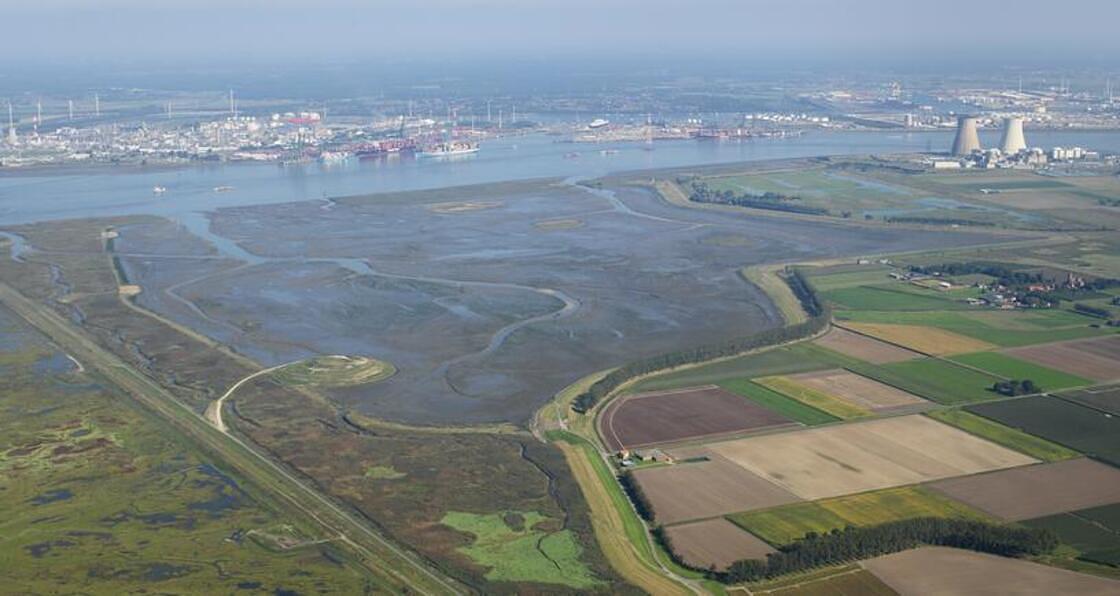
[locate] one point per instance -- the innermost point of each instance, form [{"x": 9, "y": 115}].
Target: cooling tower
[
  {"x": 967, "y": 140},
  {"x": 1012, "y": 141}
]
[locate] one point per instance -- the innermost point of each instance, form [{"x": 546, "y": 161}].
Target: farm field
[
  {"x": 846, "y": 276},
  {"x": 891, "y": 297},
  {"x": 859, "y": 582},
  {"x": 652, "y": 418},
  {"x": 1089, "y": 431},
  {"x": 936, "y": 570},
  {"x": 999, "y": 434},
  {"x": 865, "y": 348},
  {"x": 813, "y": 397},
  {"x": 1047, "y": 379},
  {"x": 1105, "y": 398},
  {"x": 937, "y": 380},
  {"x": 851, "y": 458},
  {"x": 1035, "y": 491},
  {"x": 778, "y": 361},
  {"x": 927, "y": 340},
  {"x": 706, "y": 489},
  {"x": 1001, "y": 328},
  {"x": 773, "y": 400},
  {"x": 859, "y": 391},
  {"x": 1094, "y": 532},
  {"x": 786, "y": 523},
  {"x": 714, "y": 543},
  {"x": 1097, "y": 359}
]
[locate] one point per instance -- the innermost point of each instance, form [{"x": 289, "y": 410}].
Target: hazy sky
[{"x": 263, "y": 30}]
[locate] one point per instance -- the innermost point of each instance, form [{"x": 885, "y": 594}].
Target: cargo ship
[{"x": 449, "y": 149}]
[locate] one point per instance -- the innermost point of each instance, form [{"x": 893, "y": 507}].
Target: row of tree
[
  {"x": 819, "y": 318},
  {"x": 772, "y": 201},
  {"x": 854, "y": 544}
]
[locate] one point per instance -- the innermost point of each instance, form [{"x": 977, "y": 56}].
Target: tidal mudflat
[{"x": 484, "y": 308}]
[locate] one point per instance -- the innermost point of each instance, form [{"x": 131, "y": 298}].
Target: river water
[{"x": 28, "y": 197}]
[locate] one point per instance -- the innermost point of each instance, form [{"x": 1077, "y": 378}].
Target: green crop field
[
  {"x": 1004, "y": 328},
  {"x": 891, "y": 298},
  {"x": 1003, "y": 435},
  {"x": 777, "y": 402},
  {"x": 1095, "y": 532},
  {"x": 933, "y": 379},
  {"x": 1005, "y": 366},
  {"x": 784, "y": 524},
  {"x": 1089, "y": 431},
  {"x": 522, "y": 547},
  {"x": 812, "y": 398}
]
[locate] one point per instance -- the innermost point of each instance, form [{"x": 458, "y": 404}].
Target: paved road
[{"x": 398, "y": 569}]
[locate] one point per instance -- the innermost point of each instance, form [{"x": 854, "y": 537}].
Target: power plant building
[
  {"x": 967, "y": 139},
  {"x": 1013, "y": 140}
]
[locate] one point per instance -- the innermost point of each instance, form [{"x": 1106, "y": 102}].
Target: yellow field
[
  {"x": 812, "y": 397},
  {"x": 861, "y": 392},
  {"x": 851, "y": 458},
  {"x": 929, "y": 340}
]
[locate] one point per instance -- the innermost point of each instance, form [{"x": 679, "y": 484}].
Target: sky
[{"x": 278, "y": 30}]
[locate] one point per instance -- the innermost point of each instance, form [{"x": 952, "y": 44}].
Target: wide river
[{"x": 27, "y": 197}]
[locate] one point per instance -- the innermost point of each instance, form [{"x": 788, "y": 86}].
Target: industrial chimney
[
  {"x": 967, "y": 139},
  {"x": 1012, "y": 141}
]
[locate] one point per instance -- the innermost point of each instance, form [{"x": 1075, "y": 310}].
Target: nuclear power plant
[
  {"x": 967, "y": 139},
  {"x": 1012, "y": 141}
]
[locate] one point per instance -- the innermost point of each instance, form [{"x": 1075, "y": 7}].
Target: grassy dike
[{"x": 622, "y": 534}]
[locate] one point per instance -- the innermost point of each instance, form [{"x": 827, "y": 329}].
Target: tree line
[
  {"x": 858, "y": 543},
  {"x": 773, "y": 201},
  {"x": 819, "y": 318}
]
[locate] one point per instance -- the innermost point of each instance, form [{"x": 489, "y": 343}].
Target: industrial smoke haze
[{"x": 255, "y": 30}]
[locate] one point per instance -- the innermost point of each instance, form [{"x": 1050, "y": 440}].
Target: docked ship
[{"x": 448, "y": 149}]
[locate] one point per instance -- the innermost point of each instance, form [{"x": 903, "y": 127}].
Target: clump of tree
[
  {"x": 774, "y": 201},
  {"x": 1016, "y": 387},
  {"x": 818, "y": 319},
  {"x": 854, "y": 544}
]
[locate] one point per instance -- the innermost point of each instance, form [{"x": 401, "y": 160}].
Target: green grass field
[
  {"x": 777, "y": 402},
  {"x": 812, "y": 398},
  {"x": 866, "y": 275},
  {"x": 784, "y": 524},
  {"x": 1047, "y": 379},
  {"x": 1003, "y": 435},
  {"x": 778, "y": 361},
  {"x": 517, "y": 548},
  {"x": 892, "y": 298}
]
